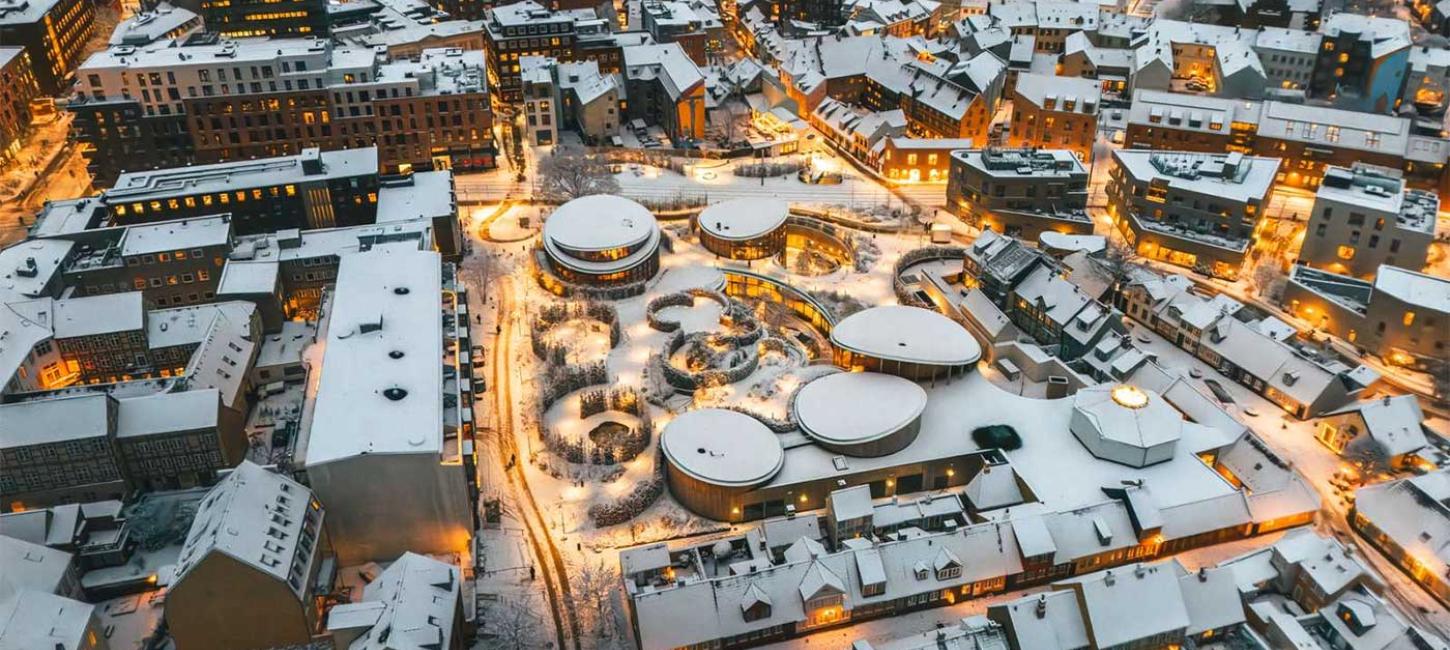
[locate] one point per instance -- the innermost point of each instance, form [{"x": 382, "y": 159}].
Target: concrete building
[
  {"x": 255, "y": 567},
  {"x": 1020, "y": 192},
  {"x": 172, "y": 263},
  {"x": 213, "y": 100},
  {"x": 18, "y": 87},
  {"x": 1052, "y": 112},
  {"x": 1288, "y": 57},
  {"x": 527, "y": 28},
  {"x": 1400, "y": 316},
  {"x": 1308, "y": 139},
  {"x": 1192, "y": 210},
  {"x": 54, "y": 35},
  {"x": 256, "y": 18},
  {"x": 393, "y": 321},
  {"x": 1363, "y": 218}
]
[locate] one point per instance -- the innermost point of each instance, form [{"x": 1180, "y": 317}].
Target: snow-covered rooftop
[
  {"x": 382, "y": 373},
  {"x": 907, "y": 334},
  {"x": 746, "y": 218},
  {"x": 849, "y": 408},
  {"x": 599, "y": 222},
  {"x": 722, "y": 447},
  {"x": 256, "y": 517}
]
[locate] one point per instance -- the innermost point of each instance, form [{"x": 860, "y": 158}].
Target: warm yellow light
[
  {"x": 803, "y": 498},
  {"x": 1129, "y": 396}
]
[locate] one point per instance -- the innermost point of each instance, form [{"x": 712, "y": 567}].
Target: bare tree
[
  {"x": 1117, "y": 263},
  {"x": 571, "y": 173},
  {"x": 593, "y": 585},
  {"x": 1268, "y": 279},
  {"x": 514, "y": 626}
]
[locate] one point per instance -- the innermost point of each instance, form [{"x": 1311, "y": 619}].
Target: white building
[
  {"x": 414, "y": 604},
  {"x": 381, "y": 445}
]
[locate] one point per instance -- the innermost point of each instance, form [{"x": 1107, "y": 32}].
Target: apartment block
[
  {"x": 265, "y": 18},
  {"x": 527, "y": 28},
  {"x": 210, "y": 100},
  {"x": 1199, "y": 211},
  {"x": 54, "y": 35},
  {"x": 1055, "y": 113},
  {"x": 17, "y": 88},
  {"x": 1020, "y": 192},
  {"x": 172, "y": 263},
  {"x": 1401, "y": 315},
  {"x": 1364, "y": 218}
]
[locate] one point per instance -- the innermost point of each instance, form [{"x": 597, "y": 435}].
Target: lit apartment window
[
  {"x": 1346, "y": 252},
  {"x": 1409, "y": 319}
]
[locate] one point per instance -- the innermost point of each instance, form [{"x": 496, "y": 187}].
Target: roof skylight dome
[{"x": 1129, "y": 396}]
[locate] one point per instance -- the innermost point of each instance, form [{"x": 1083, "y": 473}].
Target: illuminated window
[
  {"x": 1409, "y": 319},
  {"x": 1346, "y": 252}
]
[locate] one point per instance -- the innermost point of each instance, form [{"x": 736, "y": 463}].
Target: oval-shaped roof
[
  {"x": 599, "y": 222},
  {"x": 909, "y": 334},
  {"x": 746, "y": 218},
  {"x": 722, "y": 447},
  {"x": 848, "y": 408}
]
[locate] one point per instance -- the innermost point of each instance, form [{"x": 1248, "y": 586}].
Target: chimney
[
  {"x": 1109, "y": 579},
  {"x": 1042, "y": 606},
  {"x": 1202, "y": 574}
]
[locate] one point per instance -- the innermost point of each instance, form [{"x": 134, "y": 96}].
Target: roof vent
[
  {"x": 395, "y": 393},
  {"x": 402, "y": 291},
  {"x": 395, "y": 354}
]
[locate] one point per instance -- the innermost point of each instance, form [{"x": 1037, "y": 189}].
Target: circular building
[
  {"x": 602, "y": 240},
  {"x": 908, "y": 342},
  {"x": 861, "y": 414},
  {"x": 713, "y": 456},
  {"x": 744, "y": 229},
  {"x": 1125, "y": 424}
]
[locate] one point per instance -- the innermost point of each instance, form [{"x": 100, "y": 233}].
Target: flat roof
[
  {"x": 48, "y": 421},
  {"x": 382, "y": 372},
  {"x": 425, "y": 194},
  {"x": 182, "y": 234},
  {"x": 722, "y": 447},
  {"x": 241, "y": 174},
  {"x": 746, "y": 218},
  {"x": 907, "y": 334},
  {"x": 190, "y": 410},
  {"x": 857, "y": 407},
  {"x": 92, "y": 315},
  {"x": 248, "y": 277},
  {"x": 599, "y": 222}
]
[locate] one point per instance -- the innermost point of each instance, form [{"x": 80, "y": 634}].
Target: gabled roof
[
  {"x": 754, "y": 596},
  {"x": 820, "y": 581},
  {"x": 1394, "y": 422}
]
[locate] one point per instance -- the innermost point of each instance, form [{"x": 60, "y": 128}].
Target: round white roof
[
  {"x": 909, "y": 334},
  {"x": 599, "y": 222},
  {"x": 722, "y": 447},
  {"x": 743, "y": 218},
  {"x": 848, "y": 408}
]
